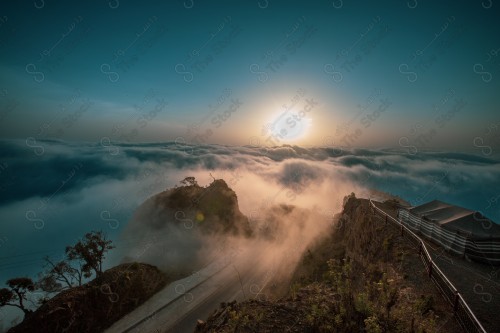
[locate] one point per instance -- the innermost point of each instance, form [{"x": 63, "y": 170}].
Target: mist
[
  {"x": 294, "y": 213},
  {"x": 56, "y": 192}
]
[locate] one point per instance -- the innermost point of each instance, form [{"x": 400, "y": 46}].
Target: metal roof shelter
[
  {"x": 455, "y": 218},
  {"x": 459, "y": 230}
]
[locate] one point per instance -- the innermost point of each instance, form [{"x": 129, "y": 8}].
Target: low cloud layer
[{"x": 53, "y": 192}]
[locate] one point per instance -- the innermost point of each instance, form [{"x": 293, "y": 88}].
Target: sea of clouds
[{"x": 53, "y": 192}]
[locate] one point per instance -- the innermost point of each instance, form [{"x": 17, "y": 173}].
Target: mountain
[
  {"x": 181, "y": 226},
  {"x": 181, "y": 219},
  {"x": 360, "y": 277}
]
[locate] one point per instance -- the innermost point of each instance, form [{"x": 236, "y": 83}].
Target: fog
[
  {"x": 289, "y": 205},
  {"x": 293, "y": 212},
  {"x": 53, "y": 193}
]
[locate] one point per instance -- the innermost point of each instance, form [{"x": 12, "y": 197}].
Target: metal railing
[{"x": 461, "y": 310}]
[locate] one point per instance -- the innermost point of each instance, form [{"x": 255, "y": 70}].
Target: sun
[{"x": 289, "y": 126}]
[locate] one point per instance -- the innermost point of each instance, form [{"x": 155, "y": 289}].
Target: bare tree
[{"x": 60, "y": 275}]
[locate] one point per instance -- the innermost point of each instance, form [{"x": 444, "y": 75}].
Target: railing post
[
  {"x": 430, "y": 268},
  {"x": 420, "y": 249},
  {"x": 386, "y": 219},
  {"x": 402, "y": 229},
  {"x": 455, "y": 302}
]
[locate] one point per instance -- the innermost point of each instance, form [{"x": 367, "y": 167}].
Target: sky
[
  {"x": 106, "y": 103},
  {"x": 408, "y": 74}
]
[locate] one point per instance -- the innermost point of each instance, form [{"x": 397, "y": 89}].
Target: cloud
[
  {"x": 26, "y": 174},
  {"x": 298, "y": 174},
  {"x": 77, "y": 187},
  {"x": 29, "y": 173}
]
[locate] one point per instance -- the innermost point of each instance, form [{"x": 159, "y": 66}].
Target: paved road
[
  {"x": 177, "y": 307},
  {"x": 227, "y": 291}
]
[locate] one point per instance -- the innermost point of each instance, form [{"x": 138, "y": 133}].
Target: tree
[
  {"x": 16, "y": 295},
  {"x": 48, "y": 284},
  {"x": 189, "y": 181},
  {"x": 91, "y": 252},
  {"x": 60, "y": 275}
]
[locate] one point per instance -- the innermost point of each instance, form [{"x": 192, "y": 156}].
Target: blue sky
[{"x": 87, "y": 71}]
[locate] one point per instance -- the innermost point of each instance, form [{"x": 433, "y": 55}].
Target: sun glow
[{"x": 289, "y": 126}]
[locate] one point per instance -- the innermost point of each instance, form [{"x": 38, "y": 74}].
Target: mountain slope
[
  {"x": 94, "y": 306},
  {"x": 359, "y": 277}
]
